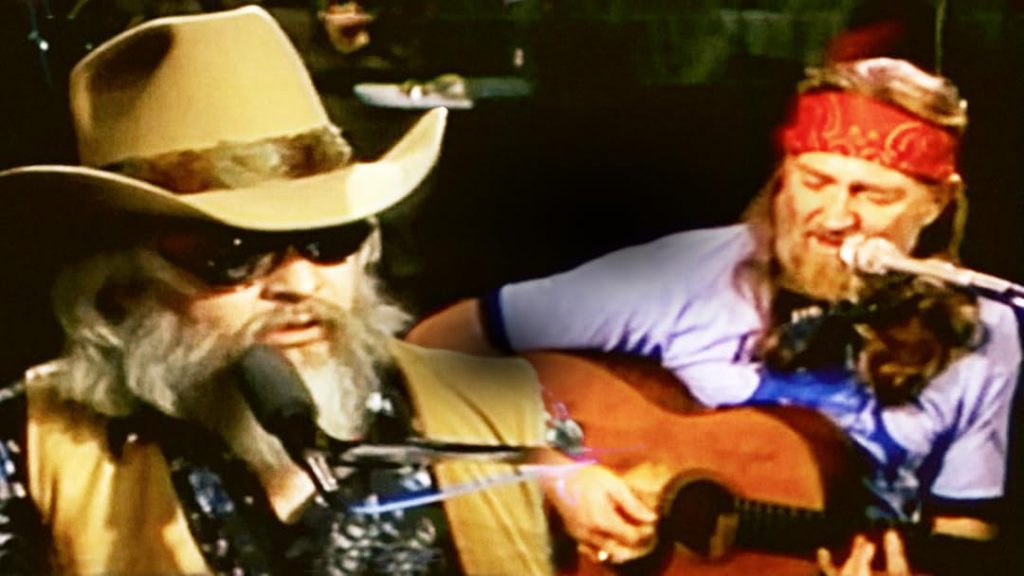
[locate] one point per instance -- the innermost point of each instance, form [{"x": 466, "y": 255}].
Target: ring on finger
[{"x": 603, "y": 556}]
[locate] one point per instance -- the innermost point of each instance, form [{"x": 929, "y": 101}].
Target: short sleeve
[
  {"x": 973, "y": 466},
  {"x": 629, "y": 301}
]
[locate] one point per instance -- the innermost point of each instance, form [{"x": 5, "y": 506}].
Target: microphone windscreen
[
  {"x": 274, "y": 390},
  {"x": 873, "y": 255},
  {"x": 848, "y": 251}
]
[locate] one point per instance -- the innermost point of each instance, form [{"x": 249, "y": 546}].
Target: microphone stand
[
  {"x": 982, "y": 284},
  {"x": 875, "y": 255}
]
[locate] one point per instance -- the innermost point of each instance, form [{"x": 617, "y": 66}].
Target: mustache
[
  {"x": 313, "y": 311},
  {"x": 211, "y": 360}
]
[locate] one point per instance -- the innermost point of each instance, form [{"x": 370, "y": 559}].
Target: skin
[
  {"x": 824, "y": 199},
  {"x": 294, "y": 281},
  {"x": 346, "y": 26},
  {"x": 602, "y": 513},
  {"x": 861, "y": 555}
]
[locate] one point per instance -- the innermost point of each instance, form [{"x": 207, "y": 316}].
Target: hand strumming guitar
[{"x": 601, "y": 512}]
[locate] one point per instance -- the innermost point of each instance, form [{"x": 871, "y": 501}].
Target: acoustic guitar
[{"x": 739, "y": 491}]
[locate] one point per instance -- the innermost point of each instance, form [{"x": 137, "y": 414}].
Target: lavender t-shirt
[{"x": 676, "y": 300}]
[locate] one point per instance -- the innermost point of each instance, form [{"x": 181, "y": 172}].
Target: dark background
[{"x": 648, "y": 116}]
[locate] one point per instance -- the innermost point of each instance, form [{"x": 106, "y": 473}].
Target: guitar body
[{"x": 638, "y": 421}]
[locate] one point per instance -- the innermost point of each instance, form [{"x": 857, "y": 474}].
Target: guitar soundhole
[{"x": 699, "y": 513}]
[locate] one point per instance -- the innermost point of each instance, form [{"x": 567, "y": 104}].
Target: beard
[
  {"x": 813, "y": 273},
  {"x": 806, "y": 266},
  {"x": 184, "y": 370}
]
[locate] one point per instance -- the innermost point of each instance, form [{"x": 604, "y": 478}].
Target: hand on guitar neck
[{"x": 861, "y": 555}]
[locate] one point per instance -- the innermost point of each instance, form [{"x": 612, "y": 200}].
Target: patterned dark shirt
[{"x": 23, "y": 541}]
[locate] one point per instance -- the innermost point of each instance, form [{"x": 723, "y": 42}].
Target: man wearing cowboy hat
[
  {"x": 920, "y": 376},
  {"x": 217, "y": 209}
]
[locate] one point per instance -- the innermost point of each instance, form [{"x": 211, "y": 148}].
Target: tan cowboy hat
[{"x": 215, "y": 117}]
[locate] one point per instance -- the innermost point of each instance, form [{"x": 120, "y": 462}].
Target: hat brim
[{"x": 345, "y": 195}]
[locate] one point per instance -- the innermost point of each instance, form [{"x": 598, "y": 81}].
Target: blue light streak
[{"x": 525, "y": 472}]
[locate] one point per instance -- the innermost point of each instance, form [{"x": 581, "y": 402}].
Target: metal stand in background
[{"x": 35, "y": 36}]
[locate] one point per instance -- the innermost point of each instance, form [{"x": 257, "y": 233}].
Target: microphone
[
  {"x": 878, "y": 256},
  {"x": 282, "y": 405},
  {"x": 278, "y": 398}
]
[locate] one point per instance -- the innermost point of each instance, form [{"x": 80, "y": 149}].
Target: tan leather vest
[{"x": 122, "y": 516}]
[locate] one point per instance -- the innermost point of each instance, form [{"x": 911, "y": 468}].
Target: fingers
[
  {"x": 858, "y": 564},
  {"x": 861, "y": 554},
  {"x": 825, "y": 564},
  {"x": 609, "y": 554},
  {"x": 611, "y": 528},
  {"x": 625, "y": 519},
  {"x": 636, "y": 536},
  {"x": 631, "y": 506},
  {"x": 895, "y": 559},
  {"x": 601, "y": 513}
]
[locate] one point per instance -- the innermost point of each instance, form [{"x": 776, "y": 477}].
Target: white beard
[
  {"x": 338, "y": 394},
  {"x": 163, "y": 359}
]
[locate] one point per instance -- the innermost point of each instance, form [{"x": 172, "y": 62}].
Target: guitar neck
[
  {"x": 709, "y": 519},
  {"x": 796, "y": 531}
]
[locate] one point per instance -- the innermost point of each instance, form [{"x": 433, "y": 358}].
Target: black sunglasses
[{"x": 225, "y": 258}]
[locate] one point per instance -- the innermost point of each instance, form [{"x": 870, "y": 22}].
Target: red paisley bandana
[{"x": 855, "y": 125}]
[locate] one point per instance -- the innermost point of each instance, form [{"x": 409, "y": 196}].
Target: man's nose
[
  {"x": 294, "y": 280},
  {"x": 839, "y": 214}
]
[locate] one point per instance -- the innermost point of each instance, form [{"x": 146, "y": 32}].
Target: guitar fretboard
[
  {"x": 782, "y": 528},
  {"x": 797, "y": 530}
]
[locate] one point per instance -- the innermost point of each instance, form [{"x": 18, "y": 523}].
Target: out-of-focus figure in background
[{"x": 346, "y": 24}]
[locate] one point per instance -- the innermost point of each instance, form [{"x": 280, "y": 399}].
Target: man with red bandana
[{"x": 920, "y": 376}]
